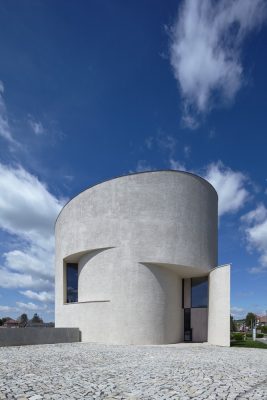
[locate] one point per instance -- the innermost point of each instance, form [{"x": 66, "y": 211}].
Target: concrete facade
[
  {"x": 219, "y": 306},
  {"x": 30, "y": 336},
  {"x": 137, "y": 241}
]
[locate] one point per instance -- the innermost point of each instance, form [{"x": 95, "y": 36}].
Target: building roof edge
[{"x": 139, "y": 173}]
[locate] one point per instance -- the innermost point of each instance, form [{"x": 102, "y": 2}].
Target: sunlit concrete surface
[
  {"x": 94, "y": 371},
  {"x": 134, "y": 239}
]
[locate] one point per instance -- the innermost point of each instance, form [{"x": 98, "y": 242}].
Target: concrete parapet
[{"x": 30, "y": 336}]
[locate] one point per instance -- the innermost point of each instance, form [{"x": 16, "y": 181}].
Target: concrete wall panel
[
  {"x": 199, "y": 324},
  {"x": 30, "y": 336},
  {"x": 157, "y": 226},
  {"x": 219, "y": 306}
]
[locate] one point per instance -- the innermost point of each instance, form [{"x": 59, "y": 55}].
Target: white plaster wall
[
  {"x": 219, "y": 306},
  {"x": 144, "y": 231},
  {"x": 199, "y": 324}
]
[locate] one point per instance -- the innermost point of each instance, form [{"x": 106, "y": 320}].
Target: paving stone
[{"x": 92, "y": 371}]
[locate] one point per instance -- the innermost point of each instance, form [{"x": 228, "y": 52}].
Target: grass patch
[{"x": 249, "y": 343}]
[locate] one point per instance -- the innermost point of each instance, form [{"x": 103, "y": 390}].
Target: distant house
[
  {"x": 11, "y": 323},
  {"x": 262, "y": 320}
]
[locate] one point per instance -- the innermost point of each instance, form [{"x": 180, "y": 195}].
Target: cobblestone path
[{"x": 90, "y": 371}]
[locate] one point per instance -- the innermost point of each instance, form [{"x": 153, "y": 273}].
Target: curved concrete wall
[
  {"x": 219, "y": 306},
  {"x": 134, "y": 238}
]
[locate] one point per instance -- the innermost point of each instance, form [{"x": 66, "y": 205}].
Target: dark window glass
[
  {"x": 182, "y": 293},
  {"x": 187, "y": 325},
  {"x": 199, "y": 292},
  {"x": 72, "y": 283},
  {"x": 187, "y": 319}
]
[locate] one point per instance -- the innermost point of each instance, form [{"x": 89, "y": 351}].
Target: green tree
[
  {"x": 232, "y": 324},
  {"x": 23, "y": 319},
  {"x": 250, "y": 319},
  {"x": 36, "y": 318}
]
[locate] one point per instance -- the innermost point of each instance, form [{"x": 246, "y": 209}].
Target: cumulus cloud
[
  {"x": 27, "y": 212},
  {"x": 255, "y": 227},
  {"x": 12, "y": 280},
  {"x": 47, "y": 297},
  {"x": 36, "y": 126},
  {"x": 205, "y": 51},
  {"x": 230, "y": 186},
  {"x": 176, "y": 165},
  {"x": 33, "y": 260},
  {"x": 7, "y": 309},
  {"x": 29, "y": 306},
  {"x": 27, "y": 208},
  {"x": 5, "y": 130}
]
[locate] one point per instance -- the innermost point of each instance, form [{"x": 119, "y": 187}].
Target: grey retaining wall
[{"x": 28, "y": 336}]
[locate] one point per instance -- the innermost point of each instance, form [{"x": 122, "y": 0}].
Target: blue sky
[{"x": 95, "y": 89}]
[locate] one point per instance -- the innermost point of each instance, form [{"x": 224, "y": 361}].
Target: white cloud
[
  {"x": 27, "y": 212},
  {"x": 41, "y": 296},
  {"x": 36, "y": 126},
  {"x": 5, "y": 130},
  {"x": 27, "y": 208},
  {"x": 206, "y": 42},
  {"x": 176, "y": 165},
  {"x": 34, "y": 260},
  {"x": 187, "y": 151},
  {"x": 142, "y": 166},
  {"x": 29, "y": 306},
  {"x": 255, "y": 227},
  {"x": 7, "y": 309},
  {"x": 230, "y": 186},
  {"x": 166, "y": 143},
  {"x": 238, "y": 312},
  {"x": 12, "y": 280},
  {"x": 258, "y": 215}
]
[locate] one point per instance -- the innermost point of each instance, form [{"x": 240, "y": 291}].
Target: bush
[
  {"x": 264, "y": 329},
  {"x": 238, "y": 336},
  {"x": 249, "y": 343},
  {"x": 249, "y": 335}
]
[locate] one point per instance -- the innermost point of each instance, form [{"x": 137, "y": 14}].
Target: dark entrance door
[{"x": 187, "y": 325}]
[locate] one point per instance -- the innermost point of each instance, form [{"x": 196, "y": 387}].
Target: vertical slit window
[
  {"x": 182, "y": 293},
  {"x": 72, "y": 282}
]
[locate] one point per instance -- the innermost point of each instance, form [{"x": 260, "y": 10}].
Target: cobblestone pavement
[{"x": 90, "y": 371}]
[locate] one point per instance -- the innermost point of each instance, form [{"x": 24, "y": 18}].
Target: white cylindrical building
[{"x": 133, "y": 254}]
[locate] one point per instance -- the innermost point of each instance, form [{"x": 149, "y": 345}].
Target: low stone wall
[{"x": 29, "y": 336}]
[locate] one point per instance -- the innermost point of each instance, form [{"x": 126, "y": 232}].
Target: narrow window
[
  {"x": 182, "y": 293},
  {"x": 187, "y": 325},
  {"x": 199, "y": 292},
  {"x": 72, "y": 282}
]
